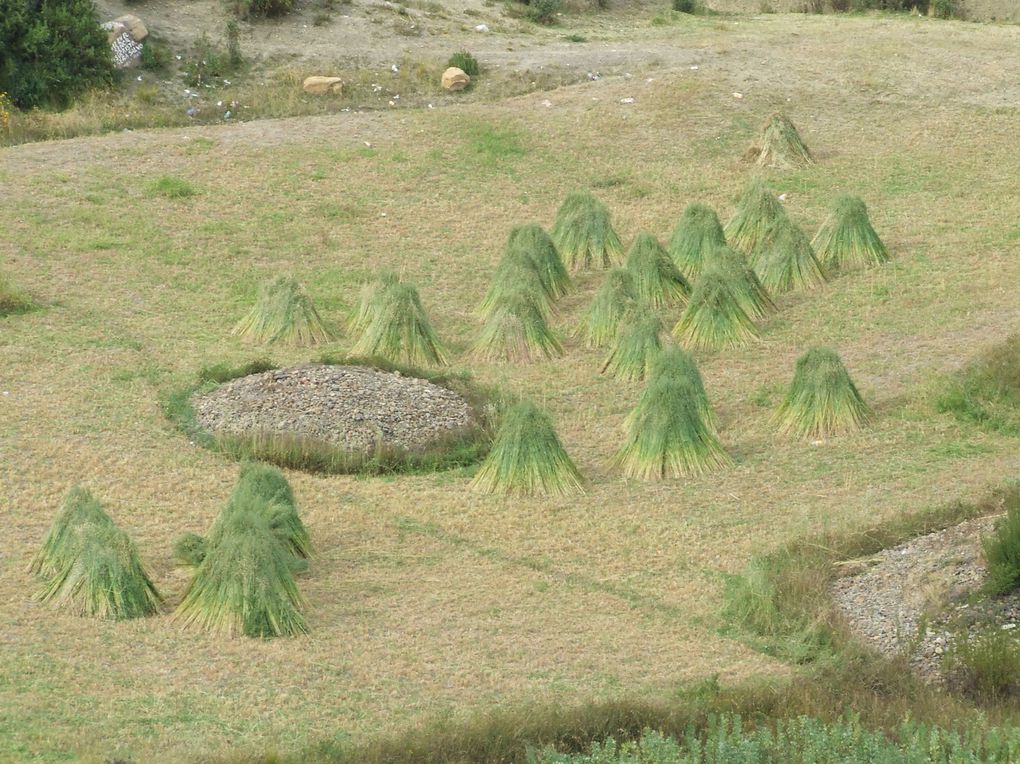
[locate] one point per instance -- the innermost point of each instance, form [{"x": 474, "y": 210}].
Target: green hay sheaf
[
  {"x": 636, "y": 346},
  {"x": 822, "y": 399},
  {"x": 757, "y": 210},
  {"x": 750, "y": 293},
  {"x": 516, "y": 273},
  {"x": 714, "y": 317},
  {"x": 656, "y": 278},
  {"x": 785, "y": 260},
  {"x": 371, "y": 293},
  {"x": 697, "y": 234},
  {"x": 846, "y": 239},
  {"x": 283, "y": 313},
  {"x": 534, "y": 242},
  {"x": 60, "y": 546},
  {"x": 527, "y": 458},
  {"x": 399, "y": 329},
  {"x": 584, "y": 234},
  {"x": 615, "y": 296},
  {"x": 781, "y": 145},
  {"x": 516, "y": 330},
  {"x": 269, "y": 483}
]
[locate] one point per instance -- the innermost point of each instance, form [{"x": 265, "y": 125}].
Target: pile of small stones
[{"x": 356, "y": 408}]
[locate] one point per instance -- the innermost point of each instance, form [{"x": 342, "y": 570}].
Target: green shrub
[
  {"x": 1002, "y": 549},
  {"x": 685, "y": 6},
  {"x": 51, "y": 50},
  {"x": 544, "y": 11},
  {"x": 155, "y": 55},
  {"x": 985, "y": 666},
  {"x": 209, "y": 62},
  {"x": 465, "y": 62},
  {"x": 247, "y": 9}
]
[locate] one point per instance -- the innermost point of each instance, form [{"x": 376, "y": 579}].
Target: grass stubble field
[{"x": 426, "y": 599}]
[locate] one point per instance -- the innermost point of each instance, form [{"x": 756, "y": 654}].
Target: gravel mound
[{"x": 353, "y": 407}]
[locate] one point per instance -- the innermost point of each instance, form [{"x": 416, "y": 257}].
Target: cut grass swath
[
  {"x": 283, "y": 313},
  {"x": 822, "y": 399},
  {"x": 614, "y": 297},
  {"x": 516, "y": 330},
  {"x": 750, "y": 293},
  {"x": 714, "y": 318},
  {"x": 781, "y": 145},
  {"x": 668, "y": 434},
  {"x": 527, "y": 458},
  {"x": 399, "y": 330},
  {"x": 516, "y": 273},
  {"x": 757, "y": 210},
  {"x": 12, "y": 300},
  {"x": 697, "y": 234},
  {"x": 846, "y": 239},
  {"x": 656, "y": 278},
  {"x": 636, "y": 346},
  {"x": 371, "y": 293},
  {"x": 785, "y": 260},
  {"x": 534, "y": 242},
  {"x": 584, "y": 234}
]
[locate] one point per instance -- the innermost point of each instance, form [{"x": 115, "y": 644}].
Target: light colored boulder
[
  {"x": 134, "y": 25},
  {"x": 455, "y": 79},
  {"x": 317, "y": 85},
  {"x": 114, "y": 29}
]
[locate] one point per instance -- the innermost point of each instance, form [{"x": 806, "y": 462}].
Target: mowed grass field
[{"x": 427, "y": 600}]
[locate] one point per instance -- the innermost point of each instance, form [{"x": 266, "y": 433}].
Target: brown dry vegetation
[{"x": 426, "y": 598}]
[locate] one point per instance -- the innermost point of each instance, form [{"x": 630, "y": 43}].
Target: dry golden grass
[{"x": 426, "y": 597}]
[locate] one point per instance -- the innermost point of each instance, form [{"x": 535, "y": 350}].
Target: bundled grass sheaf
[
  {"x": 584, "y": 234},
  {"x": 636, "y": 346},
  {"x": 399, "y": 329},
  {"x": 668, "y": 434},
  {"x": 534, "y": 242},
  {"x": 757, "y": 210},
  {"x": 527, "y": 458},
  {"x": 751, "y": 294},
  {"x": 283, "y": 313},
  {"x": 516, "y": 329},
  {"x": 846, "y": 238},
  {"x": 656, "y": 278},
  {"x": 714, "y": 318},
  {"x": 78, "y": 513},
  {"x": 781, "y": 145},
  {"x": 12, "y": 300},
  {"x": 371, "y": 295},
  {"x": 516, "y": 273},
  {"x": 785, "y": 261},
  {"x": 697, "y": 234},
  {"x": 615, "y": 296},
  {"x": 822, "y": 399}
]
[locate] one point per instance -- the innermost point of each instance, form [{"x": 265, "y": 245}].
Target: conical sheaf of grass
[
  {"x": 846, "y": 239},
  {"x": 527, "y": 458},
  {"x": 615, "y": 296},
  {"x": 668, "y": 434},
  {"x": 750, "y": 293},
  {"x": 697, "y": 234},
  {"x": 269, "y": 483},
  {"x": 676, "y": 361},
  {"x": 12, "y": 300},
  {"x": 79, "y": 513},
  {"x": 786, "y": 262},
  {"x": 539, "y": 246},
  {"x": 399, "y": 329},
  {"x": 822, "y": 399},
  {"x": 516, "y": 330},
  {"x": 371, "y": 293},
  {"x": 584, "y": 234},
  {"x": 283, "y": 313},
  {"x": 636, "y": 346},
  {"x": 656, "y": 278},
  {"x": 714, "y": 318},
  {"x": 781, "y": 145},
  {"x": 757, "y": 210},
  {"x": 245, "y": 583},
  {"x": 516, "y": 272}
]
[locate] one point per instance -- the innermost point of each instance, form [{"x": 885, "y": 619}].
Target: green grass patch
[
  {"x": 12, "y": 300},
  {"x": 171, "y": 187},
  {"x": 987, "y": 391}
]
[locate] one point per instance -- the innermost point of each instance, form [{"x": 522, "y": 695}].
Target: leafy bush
[
  {"x": 1002, "y": 549},
  {"x": 465, "y": 62},
  {"x": 51, "y": 52},
  {"x": 544, "y": 11},
  {"x": 247, "y": 9},
  {"x": 685, "y": 6}
]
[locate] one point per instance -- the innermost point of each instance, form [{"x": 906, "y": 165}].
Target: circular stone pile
[{"x": 355, "y": 408}]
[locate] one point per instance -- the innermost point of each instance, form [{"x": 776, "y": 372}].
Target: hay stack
[
  {"x": 284, "y": 313},
  {"x": 636, "y": 346},
  {"x": 785, "y": 260},
  {"x": 399, "y": 329},
  {"x": 516, "y": 329},
  {"x": 614, "y": 297},
  {"x": 781, "y": 145},
  {"x": 822, "y": 399},
  {"x": 539, "y": 247},
  {"x": 656, "y": 278},
  {"x": 584, "y": 234},
  {"x": 714, "y": 318},
  {"x": 697, "y": 234},
  {"x": 757, "y": 210},
  {"x": 846, "y": 239}
]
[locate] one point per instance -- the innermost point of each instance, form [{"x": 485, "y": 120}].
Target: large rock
[
  {"x": 125, "y": 49},
  {"x": 114, "y": 29},
  {"x": 134, "y": 25},
  {"x": 455, "y": 79},
  {"x": 317, "y": 85}
]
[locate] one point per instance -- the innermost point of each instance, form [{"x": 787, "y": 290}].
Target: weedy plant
[
  {"x": 636, "y": 346},
  {"x": 696, "y": 235},
  {"x": 822, "y": 399},
  {"x": 757, "y": 210},
  {"x": 584, "y": 234},
  {"x": 12, "y": 300},
  {"x": 656, "y": 278},
  {"x": 527, "y": 457},
  {"x": 781, "y": 145},
  {"x": 399, "y": 330},
  {"x": 371, "y": 294},
  {"x": 517, "y": 272},
  {"x": 846, "y": 238},
  {"x": 714, "y": 318},
  {"x": 785, "y": 260},
  {"x": 1002, "y": 549},
  {"x": 516, "y": 329},
  {"x": 615, "y": 296},
  {"x": 465, "y": 62},
  {"x": 668, "y": 434},
  {"x": 539, "y": 247},
  {"x": 283, "y": 313},
  {"x": 751, "y": 294}
]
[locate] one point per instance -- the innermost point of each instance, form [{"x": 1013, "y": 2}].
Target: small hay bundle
[
  {"x": 516, "y": 330},
  {"x": 399, "y": 329},
  {"x": 371, "y": 293},
  {"x": 283, "y": 313},
  {"x": 614, "y": 297},
  {"x": 757, "y": 210},
  {"x": 696, "y": 235},
  {"x": 12, "y": 300},
  {"x": 92, "y": 567},
  {"x": 785, "y": 260},
  {"x": 516, "y": 272},
  {"x": 636, "y": 346},
  {"x": 584, "y": 234},
  {"x": 527, "y": 458},
  {"x": 781, "y": 145},
  {"x": 714, "y": 318},
  {"x": 678, "y": 362},
  {"x": 751, "y": 294},
  {"x": 245, "y": 583},
  {"x": 534, "y": 242},
  {"x": 822, "y": 399},
  {"x": 846, "y": 239},
  {"x": 656, "y": 279},
  {"x": 668, "y": 434}
]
